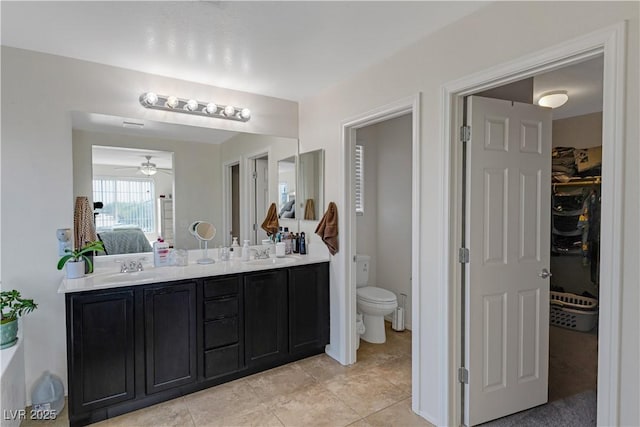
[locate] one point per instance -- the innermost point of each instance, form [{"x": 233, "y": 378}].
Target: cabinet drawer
[
  {"x": 219, "y": 308},
  {"x": 220, "y": 332},
  {"x": 220, "y": 287},
  {"x": 221, "y": 361}
]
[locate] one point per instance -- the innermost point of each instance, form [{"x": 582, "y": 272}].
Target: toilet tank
[{"x": 362, "y": 270}]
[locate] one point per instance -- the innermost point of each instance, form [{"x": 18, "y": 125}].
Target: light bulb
[
  {"x": 172, "y": 102},
  {"x": 245, "y": 113},
  {"x": 211, "y": 108},
  {"x": 191, "y": 105},
  {"x": 149, "y": 98},
  {"x": 229, "y": 110}
]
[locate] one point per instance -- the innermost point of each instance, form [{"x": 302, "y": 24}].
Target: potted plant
[
  {"x": 75, "y": 259},
  {"x": 12, "y": 306}
]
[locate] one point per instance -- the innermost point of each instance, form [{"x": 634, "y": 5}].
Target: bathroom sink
[
  {"x": 113, "y": 278},
  {"x": 272, "y": 261}
]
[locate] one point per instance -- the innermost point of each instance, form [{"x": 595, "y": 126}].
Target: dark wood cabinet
[
  {"x": 132, "y": 347},
  {"x": 265, "y": 307},
  {"x": 222, "y": 327},
  {"x": 101, "y": 353},
  {"x": 170, "y": 335},
  {"x": 308, "y": 308}
]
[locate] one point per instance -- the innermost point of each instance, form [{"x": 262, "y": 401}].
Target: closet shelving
[{"x": 568, "y": 232}]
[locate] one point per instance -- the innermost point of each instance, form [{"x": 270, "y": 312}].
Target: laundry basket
[{"x": 573, "y": 311}]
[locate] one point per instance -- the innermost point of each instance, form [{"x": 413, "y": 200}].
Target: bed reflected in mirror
[
  {"x": 132, "y": 197},
  {"x": 287, "y": 188}
]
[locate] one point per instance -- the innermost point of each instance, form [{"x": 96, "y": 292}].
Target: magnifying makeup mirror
[{"x": 204, "y": 232}]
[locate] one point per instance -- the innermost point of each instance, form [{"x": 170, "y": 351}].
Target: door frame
[
  {"x": 395, "y": 109},
  {"x": 227, "y": 198},
  {"x": 248, "y": 188},
  {"x": 610, "y": 42}
]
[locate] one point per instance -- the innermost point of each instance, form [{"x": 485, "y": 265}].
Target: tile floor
[{"x": 316, "y": 391}]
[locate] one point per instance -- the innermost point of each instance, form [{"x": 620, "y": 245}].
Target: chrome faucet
[
  {"x": 261, "y": 253},
  {"x": 132, "y": 265}
]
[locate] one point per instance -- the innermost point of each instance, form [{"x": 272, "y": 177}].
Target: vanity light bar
[{"x": 191, "y": 106}]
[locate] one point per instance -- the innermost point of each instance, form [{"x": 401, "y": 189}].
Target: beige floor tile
[
  {"x": 360, "y": 423},
  {"x": 365, "y": 393},
  {"x": 279, "y": 381},
  {"x": 167, "y": 414},
  {"x": 62, "y": 419},
  {"x": 396, "y": 371},
  {"x": 260, "y": 418},
  {"x": 323, "y": 367},
  {"x": 212, "y": 406},
  {"x": 399, "y": 414},
  {"x": 313, "y": 405}
]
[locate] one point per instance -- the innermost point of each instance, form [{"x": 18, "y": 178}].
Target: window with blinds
[
  {"x": 359, "y": 179},
  {"x": 127, "y": 202}
]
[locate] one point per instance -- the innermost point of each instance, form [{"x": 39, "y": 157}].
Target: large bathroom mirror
[
  {"x": 311, "y": 185},
  {"x": 211, "y": 175}
]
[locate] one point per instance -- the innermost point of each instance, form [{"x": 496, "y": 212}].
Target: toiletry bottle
[
  {"x": 160, "y": 253},
  {"x": 246, "y": 251},
  {"x": 287, "y": 240},
  {"x": 302, "y": 244},
  {"x": 295, "y": 240},
  {"x": 235, "y": 249}
]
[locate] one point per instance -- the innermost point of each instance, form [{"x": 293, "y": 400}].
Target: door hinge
[
  {"x": 254, "y": 175},
  {"x": 463, "y": 255},
  {"x": 465, "y": 133},
  {"x": 463, "y": 375},
  {"x": 254, "y": 227}
]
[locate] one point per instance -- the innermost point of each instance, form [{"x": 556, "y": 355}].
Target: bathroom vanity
[{"x": 134, "y": 340}]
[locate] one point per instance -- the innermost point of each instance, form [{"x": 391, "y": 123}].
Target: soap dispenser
[
  {"x": 246, "y": 251},
  {"x": 235, "y": 249}
]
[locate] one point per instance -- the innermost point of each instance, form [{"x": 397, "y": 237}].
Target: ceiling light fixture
[
  {"x": 148, "y": 168},
  {"x": 192, "y": 106},
  {"x": 553, "y": 99}
]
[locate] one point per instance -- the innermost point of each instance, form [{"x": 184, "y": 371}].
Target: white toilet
[{"x": 373, "y": 302}]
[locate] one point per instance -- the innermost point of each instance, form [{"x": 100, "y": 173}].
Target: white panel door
[{"x": 507, "y": 232}]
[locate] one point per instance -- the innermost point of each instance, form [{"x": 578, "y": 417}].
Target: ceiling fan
[{"x": 147, "y": 168}]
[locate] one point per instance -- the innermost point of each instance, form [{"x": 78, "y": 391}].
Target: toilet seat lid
[{"x": 374, "y": 294}]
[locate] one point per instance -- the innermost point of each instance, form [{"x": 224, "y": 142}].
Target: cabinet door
[
  {"x": 100, "y": 348},
  {"x": 265, "y": 317},
  {"x": 170, "y": 335},
  {"x": 308, "y": 308}
]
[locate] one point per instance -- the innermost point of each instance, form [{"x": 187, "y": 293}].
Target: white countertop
[{"x": 107, "y": 272}]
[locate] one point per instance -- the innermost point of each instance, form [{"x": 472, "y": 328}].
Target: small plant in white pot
[
  {"x": 76, "y": 258},
  {"x": 12, "y": 306}
]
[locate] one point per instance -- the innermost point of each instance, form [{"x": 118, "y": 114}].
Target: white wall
[
  {"x": 38, "y": 94},
  {"x": 384, "y": 231},
  {"x": 496, "y": 34}
]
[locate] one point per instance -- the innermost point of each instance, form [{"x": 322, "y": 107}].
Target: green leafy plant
[
  {"x": 79, "y": 254},
  {"x": 14, "y": 306}
]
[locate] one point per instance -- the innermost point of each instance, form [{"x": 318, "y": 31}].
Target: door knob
[{"x": 545, "y": 273}]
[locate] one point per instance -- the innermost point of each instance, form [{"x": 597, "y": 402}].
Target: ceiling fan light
[
  {"x": 553, "y": 99},
  {"x": 148, "y": 170}
]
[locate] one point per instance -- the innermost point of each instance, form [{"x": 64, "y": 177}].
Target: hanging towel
[
  {"x": 327, "y": 229},
  {"x": 270, "y": 223},
  {"x": 310, "y": 209},
  {"x": 84, "y": 227}
]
